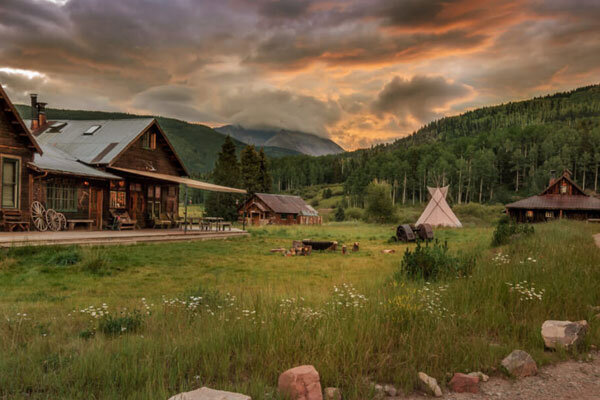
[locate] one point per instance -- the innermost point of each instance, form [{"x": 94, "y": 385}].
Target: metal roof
[
  {"x": 100, "y": 147},
  {"x": 186, "y": 181},
  {"x": 557, "y": 202},
  {"x": 55, "y": 160},
  {"x": 284, "y": 204}
]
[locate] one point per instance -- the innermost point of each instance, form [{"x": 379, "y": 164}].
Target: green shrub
[
  {"x": 379, "y": 203},
  {"x": 327, "y": 193},
  {"x": 314, "y": 202},
  {"x": 354, "y": 214},
  {"x": 432, "y": 261},
  {"x": 97, "y": 262},
  {"x": 340, "y": 215},
  {"x": 126, "y": 323},
  {"x": 506, "y": 229},
  {"x": 65, "y": 257}
]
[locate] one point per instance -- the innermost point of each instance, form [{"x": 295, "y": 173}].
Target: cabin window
[
  {"x": 10, "y": 183},
  {"x": 117, "y": 194},
  {"x": 549, "y": 214},
  {"x": 149, "y": 141},
  {"x": 563, "y": 188},
  {"x": 529, "y": 214},
  {"x": 62, "y": 198},
  {"x": 154, "y": 205}
]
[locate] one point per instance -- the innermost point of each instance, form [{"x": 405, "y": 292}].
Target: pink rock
[
  {"x": 462, "y": 383},
  {"x": 300, "y": 383}
]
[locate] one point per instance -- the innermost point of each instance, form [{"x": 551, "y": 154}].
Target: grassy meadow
[{"x": 149, "y": 321}]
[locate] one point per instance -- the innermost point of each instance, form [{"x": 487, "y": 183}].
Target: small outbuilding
[
  {"x": 278, "y": 209},
  {"x": 438, "y": 212},
  {"x": 563, "y": 198}
]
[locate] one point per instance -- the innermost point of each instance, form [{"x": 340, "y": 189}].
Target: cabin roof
[
  {"x": 56, "y": 160},
  {"x": 10, "y": 108},
  {"x": 100, "y": 147},
  {"x": 285, "y": 204},
  {"x": 557, "y": 202}
]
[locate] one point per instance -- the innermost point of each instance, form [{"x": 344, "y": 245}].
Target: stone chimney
[
  {"x": 552, "y": 176},
  {"x": 41, "y": 110}
]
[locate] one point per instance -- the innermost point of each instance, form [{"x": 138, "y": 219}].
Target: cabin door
[{"x": 96, "y": 196}]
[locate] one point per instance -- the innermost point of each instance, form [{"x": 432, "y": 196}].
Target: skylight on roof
[
  {"x": 91, "y": 130},
  {"x": 58, "y": 125}
]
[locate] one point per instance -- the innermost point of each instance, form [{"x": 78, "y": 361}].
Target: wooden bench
[
  {"x": 225, "y": 224},
  {"x": 161, "y": 222},
  {"x": 73, "y": 222},
  {"x": 13, "y": 219}
]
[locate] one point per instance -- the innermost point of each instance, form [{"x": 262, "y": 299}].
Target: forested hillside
[
  {"x": 198, "y": 145},
  {"x": 492, "y": 154}
]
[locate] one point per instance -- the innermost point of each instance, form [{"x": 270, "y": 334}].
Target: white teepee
[{"x": 438, "y": 212}]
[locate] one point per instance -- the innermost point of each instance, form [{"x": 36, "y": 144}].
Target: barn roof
[
  {"x": 557, "y": 202},
  {"x": 105, "y": 143},
  {"x": 285, "y": 204},
  {"x": 55, "y": 160}
]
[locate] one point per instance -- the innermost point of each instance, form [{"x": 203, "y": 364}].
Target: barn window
[
  {"x": 10, "y": 182},
  {"x": 61, "y": 197},
  {"x": 149, "y": 141}
]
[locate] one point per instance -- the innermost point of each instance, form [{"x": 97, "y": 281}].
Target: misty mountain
[{"x": 301, "y": 142}]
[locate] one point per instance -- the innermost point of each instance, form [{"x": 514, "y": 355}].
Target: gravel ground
[{"x": 573, "y": 380}]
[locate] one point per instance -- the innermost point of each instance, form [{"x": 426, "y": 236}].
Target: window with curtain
[{"x": 10, "y": 183}]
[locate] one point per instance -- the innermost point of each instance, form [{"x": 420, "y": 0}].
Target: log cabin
[
  {"x": 563, "y": 198},
  {"x": 90, "y": 170},
  {"x": 17, "y": 149},
  {"x": 278, "y": 209}
]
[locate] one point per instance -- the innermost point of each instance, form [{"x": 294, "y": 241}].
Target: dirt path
[
  {"x": 571, "y": 380},
  {"x": 597, "y": 239}
]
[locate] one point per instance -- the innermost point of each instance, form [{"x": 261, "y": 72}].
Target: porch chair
[
  {"x": 122, "y": 221},
  {"x": 161, "y": 222},
  {"x": 176, "y": 220}
]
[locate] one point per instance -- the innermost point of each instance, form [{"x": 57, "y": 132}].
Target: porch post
[{"x": 185, "y": 211}]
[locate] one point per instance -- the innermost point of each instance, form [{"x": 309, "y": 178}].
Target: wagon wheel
[
  {"x": 53, "y": 220},
  {"x": 62, "y": 221},
  {"x": 38, "y": 216}
]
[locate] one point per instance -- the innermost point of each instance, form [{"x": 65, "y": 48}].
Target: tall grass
[{"x": 241, "y": 339}]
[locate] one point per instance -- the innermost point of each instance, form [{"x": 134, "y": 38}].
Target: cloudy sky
[{"x": 359, "y": 72}]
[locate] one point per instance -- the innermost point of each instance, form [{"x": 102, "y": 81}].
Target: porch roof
[
  {"x": 55, "y": 160},
  {"x": 178, "y": 179}
]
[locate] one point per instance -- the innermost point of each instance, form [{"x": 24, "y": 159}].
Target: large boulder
[
  {"x": 563, "y": 333},
  {"x": 205, "y": 393},
  {"x": 429, "y": 385},
  {"x": 300, "y": 383},
  {"x": 520, "y": 364},
  {"x": 462, "y": 383}
]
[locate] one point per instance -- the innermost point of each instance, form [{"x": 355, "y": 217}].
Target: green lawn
[{"x": 250, "y": 314}]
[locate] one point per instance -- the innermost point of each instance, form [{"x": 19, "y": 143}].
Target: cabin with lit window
[
  {"x": 278, "y": 209},
  {"x": 95, "y": 170},
  {"x": 563, "y": 198}
]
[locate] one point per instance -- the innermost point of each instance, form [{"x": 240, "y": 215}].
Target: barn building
[
  {"x": 278, "y": 209},
  {"x": 93, "y": 172},
  {"x": 563, "y": 198}
]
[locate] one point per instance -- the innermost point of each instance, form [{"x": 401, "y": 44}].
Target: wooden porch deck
[{"x": 97, "y": 238}]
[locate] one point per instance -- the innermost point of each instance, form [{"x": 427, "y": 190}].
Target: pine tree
[
  {"x": 226, "y": 173},
  {"x": 250, "y": 167},
  {"x": 266, "y": 181}
]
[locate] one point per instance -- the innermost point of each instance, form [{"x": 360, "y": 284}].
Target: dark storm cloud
[
  {"x": 284, "y": 8},
  {"x": 261, "y": 62},
  {"x": 417, "y": 97}
]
